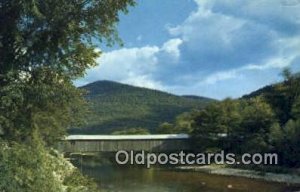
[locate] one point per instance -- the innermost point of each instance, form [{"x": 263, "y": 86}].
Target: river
[{"x": 121, "y": 179}]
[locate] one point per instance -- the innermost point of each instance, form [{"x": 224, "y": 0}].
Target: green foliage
[
  {"x": 56, "y": 33},
  {"x": 41, "y": 103},
  {"x": 231, "y": 123},
  {"x": 76, "y": 182},
  {"x": 212, "y": 123},
  {"x": 267, "y": 120},
  {"x": 132, "y": 131},
  {"x": 284, "y": 99},
  {"x": 288, "y": 145},
  {"x": 44, "y": 45},
  {"x": 281, "y": 96},
  {"x": 296, "y": 108},
  {"x": 257, "y": 120},
  {"x": 182, "y": 124},
  {"x": 116, "y": 106},
  {"x": 31, "y": 167},
  {"x": 166, "y": 128}
]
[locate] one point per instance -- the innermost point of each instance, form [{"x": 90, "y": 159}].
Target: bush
[{"x": 33, "y": 168}]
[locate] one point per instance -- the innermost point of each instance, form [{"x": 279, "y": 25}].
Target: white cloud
[
  {"x": 253, "y": 40},
  {"x": 281, "y": 15},
  {"x": 219, "y": 45},
  {"x": 222, "y": 39},
  {"x": 133, "y": 65},
  {"x": 172, "y": 47},
  {"x": 278, "y": 63},
  {"x": 119, "y": 65},
  {"x": 204, "y": 24},
  {"x": 143, "y": 81},
  {"x": 220, "y": 76},
  {"x": 273, "y": 63}
]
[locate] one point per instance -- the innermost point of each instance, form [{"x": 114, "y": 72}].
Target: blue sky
[{"x": 212, "y": 48}]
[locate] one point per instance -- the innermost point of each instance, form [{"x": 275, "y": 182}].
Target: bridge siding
[{"x": 157, "y": 145}]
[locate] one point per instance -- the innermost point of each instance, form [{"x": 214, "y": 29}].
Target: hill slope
[
  {"x": 269, "y": 89},
  {"x": 117, "y": 106}
]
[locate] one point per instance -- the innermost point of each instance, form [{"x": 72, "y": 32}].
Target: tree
[
  {"x": 166, "y": 128},
  {"x": 216, "y": 119},
  {"x": 269, "y": 122},
  {"x": 286, "y": 143},
  {"x": 183, "y": 122},
  {"x": 285, "y": 100},
  {"x": 44, "y": 45},
  {"x": 257, "y": 120},
  {"x": 283, "y": 96},
  {"x": 235, "y": 126},
  {"x": 296, "y": 109},
  {"x": 31, "y": 167}
]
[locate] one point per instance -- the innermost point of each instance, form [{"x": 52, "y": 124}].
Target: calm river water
[{"x": 112, "y": 178}]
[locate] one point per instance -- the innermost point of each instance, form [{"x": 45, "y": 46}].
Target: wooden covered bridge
[{"x": 113, "y": 143}]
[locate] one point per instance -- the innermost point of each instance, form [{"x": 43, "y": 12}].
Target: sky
[{"x": 211, "y": 48}]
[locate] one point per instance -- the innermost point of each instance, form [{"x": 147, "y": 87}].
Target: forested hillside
[
  {"x": 267, "y": 120},
  {"x": 117, "y": 107}
]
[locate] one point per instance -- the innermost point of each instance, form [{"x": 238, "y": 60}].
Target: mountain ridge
[{"x": 117, "y": 106}]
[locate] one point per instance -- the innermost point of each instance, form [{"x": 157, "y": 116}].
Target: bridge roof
[{"x": 127, "y": 137}]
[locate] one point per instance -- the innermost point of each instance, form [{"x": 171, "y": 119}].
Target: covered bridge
[{"x": 113, "y": 143}]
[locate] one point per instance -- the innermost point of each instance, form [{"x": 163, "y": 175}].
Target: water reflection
[{"x": 112, "y": 178}]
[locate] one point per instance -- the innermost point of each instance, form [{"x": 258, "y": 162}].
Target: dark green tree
[
  {"x": 257, "y": 121},
  {"x": 44, "y": 46},
  {"x": 213, "y": 126},
  {"x": 166, "y": 128},
  {"x": 183, "y": 122},
  {"x": 235, "y": 126},
  {"x": 283, "y": 96}
]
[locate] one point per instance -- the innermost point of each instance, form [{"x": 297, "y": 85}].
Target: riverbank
[{"x": 225, "y": 171}]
